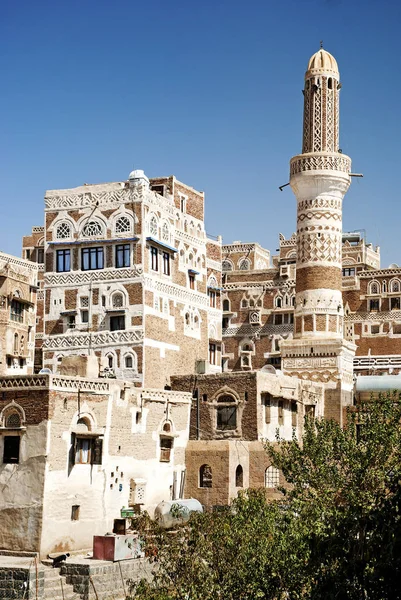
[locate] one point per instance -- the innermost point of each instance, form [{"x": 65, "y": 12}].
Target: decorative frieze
[
  {"x": 323, "y": 362},
  {"x": 83, "y": 277},
  {"x": 392, "y": 315},
  {"x": 377, "y": 362},
  {"x": 176, "y": 292},
  {"x": 248, "y": 329},
  {"x": 317, "y": 162},
  {"x": 76, "y": 341}
]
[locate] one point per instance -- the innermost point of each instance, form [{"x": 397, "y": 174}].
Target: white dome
[
  {"x": 137, "y": 174},
  {"x": 322, "y": 62}
]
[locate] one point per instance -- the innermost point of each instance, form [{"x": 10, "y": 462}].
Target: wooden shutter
[{"x": 97, "y": 451}]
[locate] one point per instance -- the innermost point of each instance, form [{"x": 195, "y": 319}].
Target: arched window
[
  {"x": 226, "y": 413},
  {"x": 279, "y": 302},
  {"x": 92, "y": 229},
  {"x": 244, "y": 303},
  {"x": 226, "y": 265},
  {"x": 384, "y": 287},
  {"x": 272, "y": 477},
  {"x": 15, "y": 343},
  {"x": 165, "y": 232},
  {"x": 83, "y": 424},
  {"x": 117, "y": 300},
  {"x": 153, "y": 228},
  {"x": 63, "y": 231},
  {"x": 167, "y": 427},
  {"x": 123, "y": 225},
  {"x": 22, "y": 345},
  {"x": 239, "y": 476},
  {"x": 205, "y": 477},
  {"x": 374, "y": 287},
  {"x": 394, "y": 286},
  {"x": 110, "y": 361},
  {"x": 244, "y": 265},
  {"x": 129, "y": 363},
  {"x": 226, "y": 305},
  {"x": 330, "y": 83},
  {"x": 13, "y": 420}
]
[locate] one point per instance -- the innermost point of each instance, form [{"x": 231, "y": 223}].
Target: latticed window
[
  {"x": 226, "y": 265},
  {"x": 13, "y": 420},
  {"x": 272, "y": 477},
  {"x": 166, "y": 232},
  {"x": 92, "y": 229},
  {"x": 123, "y": 225},
  {"x": 84, "y": 301},
  {"x": 153, "y": 226},
  {"x": 244, "y": 265},
  {"x": 63, "y": 231},
  {"x": 118, "y": 301}
]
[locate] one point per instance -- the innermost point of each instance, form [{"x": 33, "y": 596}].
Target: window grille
[
  {"x": 92, "y": 229},
  {"x": 272, "y": 477},
  {"x": 123, "y": 225},
  {"x": 153, "y": 226},
  {"x": 13, "y": 420},
  {"x": 226, "y": 265},
  {"x": 166, "y": 232},
  {"x": 63, "y": 231},
  {"x": 84, "y": 301},
  {"x": 244, "y": 265},
  {"x": 118, "y": 301}
]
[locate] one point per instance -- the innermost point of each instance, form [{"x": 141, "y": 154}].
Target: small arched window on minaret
[{"x": 330, "y": 83}]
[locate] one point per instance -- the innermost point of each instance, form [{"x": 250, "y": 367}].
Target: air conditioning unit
[
  {"x": 284, "y": 271},
  {"x": 200, "y": 367}
]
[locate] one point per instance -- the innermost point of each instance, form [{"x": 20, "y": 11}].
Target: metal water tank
[{"x": 175, "y": 512}]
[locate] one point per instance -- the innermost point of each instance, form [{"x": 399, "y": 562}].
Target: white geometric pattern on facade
[
  {"x": 82, "y": 277},
  {"x": 377, "y": 362},
  {"x": 175, "y": 291},
  {"x": 388, "y": 315},
  {"x": 95, "y": 339},
  {"x": 247, "y": 329},
  {"x": 153, "y": 227},
  {"x": 319, "y": 247}
]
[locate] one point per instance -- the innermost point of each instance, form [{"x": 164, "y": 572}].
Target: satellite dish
[
  {"x": 394, "y": 266},
  {"x": 45, "y": 371},
  {"x": 268, "y": 369}
]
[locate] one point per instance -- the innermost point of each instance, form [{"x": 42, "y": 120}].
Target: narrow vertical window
[
  {"x": 294, "y": 413},
  {"x": 154, "y": 259},
  {"x": 191, "y": 281},
  {"x": 280, "y": 412},
  {"x": 166, "y": 263},
  {"x": 212, "y": 354}
]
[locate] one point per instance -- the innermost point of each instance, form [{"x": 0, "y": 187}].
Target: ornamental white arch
[
  {"x": 394, "y": 286},
  {"x": 374, "y": 287}
]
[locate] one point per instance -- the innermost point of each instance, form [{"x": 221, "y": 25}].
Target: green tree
[{"x": 334, "y": 534}]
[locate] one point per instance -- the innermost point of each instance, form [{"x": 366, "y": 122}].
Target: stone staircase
[{"x": 56, "y": 586}]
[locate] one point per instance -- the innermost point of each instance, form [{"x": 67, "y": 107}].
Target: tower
[{"x": 319, "y": 178}]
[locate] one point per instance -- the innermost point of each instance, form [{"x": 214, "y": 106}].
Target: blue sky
[{"x": 209, "y": 91}]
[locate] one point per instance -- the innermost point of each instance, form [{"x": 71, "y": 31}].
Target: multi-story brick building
[
  {"x": 18, "y": 287},
  {"x": 131, "y": 277}
]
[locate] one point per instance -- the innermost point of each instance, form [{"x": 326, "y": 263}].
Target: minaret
[{"x": 319, "y": 178}]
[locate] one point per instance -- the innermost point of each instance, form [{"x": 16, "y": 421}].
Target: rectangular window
[
  {"x": 375, "y": 329},
  {"x": 280, "y": 412},
  {"x": 212, "y": 354},
  {"x": 11, "y": 449},
  {"x": 41, "y": 256},
  {"x": 154, "y": 258},
  {"x": 83, "y": 451},
  {"x": 71, "y": 322},
  {"x": 374, "y": 304},
  {"x": 266, "y": 401},
  {"x": 117, "y": 323},
  {"x": 63, "y": 261},
  {"x": 212, "y": 298},
  {"x": 294, "y": 413},
  {"x": 278, "y": 319},
  {"x": 17, "y": 311},
  {"x": 166, "y": 263},
  {"x": 192, "y": 281},
  {"x": 85, "y": 316},
  {"x": 123, "y": 256},
  {"x": 348, "y": 272},
  {"x": 166, "y": 445},
  {"x": 92, "y": 258},
  {"x": 75, "y": 512},
  {"x": 183, "y": 204},
  {"x": 27, "y": 254},
  {"x": 395, "y": 304},
  {"x": 226, "y": 417}
]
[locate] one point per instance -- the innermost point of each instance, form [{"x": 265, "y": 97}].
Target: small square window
[{"x": 75, "y": 512}]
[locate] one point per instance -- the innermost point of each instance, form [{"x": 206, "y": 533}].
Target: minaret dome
[{"x": 322, "y": 62}]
